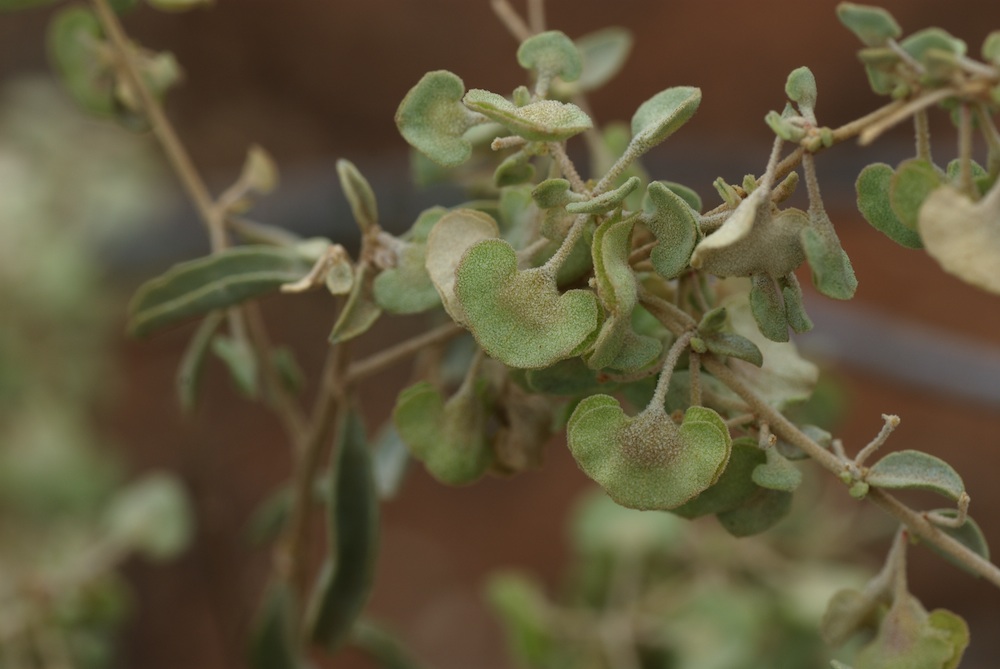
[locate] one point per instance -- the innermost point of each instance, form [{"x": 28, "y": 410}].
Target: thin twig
[
  {"x": 385, "y": 358},
  {"x": 285, "y": 404},
  {"x": 917, "y": 523},
  {"x": 178, "y": 156},
  {"x": 566, "y": 166},
  {"x": 891, "y": 423},
  {"x": 511, "y": 19}
]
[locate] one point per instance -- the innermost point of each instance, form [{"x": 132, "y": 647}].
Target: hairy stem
[{"x": 917, "y": 523}]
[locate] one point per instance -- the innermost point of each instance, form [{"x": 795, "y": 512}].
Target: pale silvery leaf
[{"x": 964, "y": 236}]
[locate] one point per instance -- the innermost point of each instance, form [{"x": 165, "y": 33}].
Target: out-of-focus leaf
[
  {"x": 346, "y": 581},
  {"x": 152, "y": 516},
  {"x": 15, "y": 5},
  {"x": 74, "y": 43},
  {"x": 524, "y": 610},
  {"x": 964, "y": 236},
  {"x": 214, "y": 282},
  {"x": 179, "y": 5},
  {"x": 359, "y": 194},
  {"x": 241, "y": 361},
  {"x": 762, "y": 511},
  {"x": 382, "y": 646},
  {"x": 272, "y": 643},
  {"x": 873, "y": 25},
  {"x": 193, "y": 362},
  {"x": 968, "y": 534},
  {"x": 391, "y": 459}
]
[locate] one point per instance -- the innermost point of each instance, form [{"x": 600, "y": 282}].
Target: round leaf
[
  {"x": 519, "y": 317},
  {"x": 152, "y": 516},
  {"x": 663, "y": 114},
  {"x": 801, "y": 88},
  {"x": 913, "y": 182},
  {"x": 551, "y": 54}
]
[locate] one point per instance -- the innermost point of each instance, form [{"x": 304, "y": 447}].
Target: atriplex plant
[{"x": 653, "y": 329}]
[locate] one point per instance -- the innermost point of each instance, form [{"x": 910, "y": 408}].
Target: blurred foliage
[{"x": 66, "y": 518}]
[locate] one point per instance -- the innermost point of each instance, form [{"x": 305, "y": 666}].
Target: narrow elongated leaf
[
  {"x": 382, "y": 646},
  {"x": 359, "y": 193},
  {"x": 353, "y": 515},
  {"x": 241, "y": 361},
  {"x": 361, "y": 310},
  {"x": 916, "y": 470},
  {"x": 193, "y": 362},
  {"x": 217, "y": 281},
  {"x": 272, "y": 644}
]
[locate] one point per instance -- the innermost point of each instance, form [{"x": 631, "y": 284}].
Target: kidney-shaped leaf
[
  {"x": 433, "y": 119},
  {"x": 663, "y": 114},
  {"x": 217, "y": 281},
  {"x": 964, "y": 236},
  {"x": 542, "y": 121},
  {"x": 647, "y": 461},
  {"x": 519, "y": 317},
  {"x": 916, "y": 470},
  {"x": 353, "y": 515}
]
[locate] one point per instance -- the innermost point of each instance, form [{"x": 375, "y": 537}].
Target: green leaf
[
  {"x": 964, "y": 236},
  {"x": 617, "y": 344},
  {"x": 217, "y": 281},
  {"x": 433, "y": 119},
  {"x": 674, "y": 224},
  {"x": 731, "y": 345},
  {"x": 777, "y": 473},
  {"x": 991, "y": 48},
  {"x": 662, "y": 115},
  {"x": 272, "y": 642},
  {"x": 968, "y": 534},
  {"x": 801, "y": 88},
  {"x": 767, "y": 309},
  {"x": 406, "y": 288},
  {"x": 909, "y": 638},
  {"x": 554, "y": 193},
  {"x": 179, "y": 5},
  {"x": 873, "y": 25},
  {"x": 359, "y": 194},
  {"x": 795, "y": 310},
  {"x": 762, "y": 511},
  {"x": 192, "y": 364},
  {"x": 874, "y": 203},
  {"x": 449, "y": 437},
  {"x": 566, "y": 378},
  {"x": 832, "y": 273},
  {"x": 361, "y": 311},
  {"x": 923, "y": 44},
  {"x": 689, "y": 196},
  {"x": 241, "y": 361},
  {"x": 647, "y": 461},
  {"x": 519, "y": 317},
  {"x": 913, "y": 182},
  {"x": 75, "y": 40},
  {"x": 447, "y": 243},
  {"x": 603, "y": 52},
  {"x": 353, "y": 515},
  {"x": 382, "y": 646},
  {"x": 604, "y": 202},
  {"x": 526, "y": 615},
  {"x": 541, "y": 121},
  {"x": 914, "y": 470},
  {"x": 600, "y": 526},
  {"x": 753, "y": 241},
  {"x": 734, "y": 487},
  {"x": 551, "y": 54},
  {"x": 151, "y": 516},
  {"x": 514, "y": 170}
]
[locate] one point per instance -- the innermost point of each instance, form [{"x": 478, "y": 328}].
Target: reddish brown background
[{"x": 315, "y": 80}]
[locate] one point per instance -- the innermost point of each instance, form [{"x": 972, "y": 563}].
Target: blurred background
[{"x": 316, "y": 81}]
